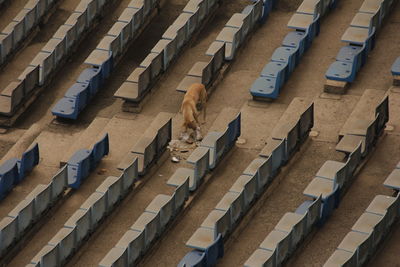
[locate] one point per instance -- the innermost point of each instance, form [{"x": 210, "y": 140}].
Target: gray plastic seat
[
  {"x": 279, "y": 242},
  {"x": 319, "y": 186},
  {"x": 96, "y": 204},
  {"x": 59, "y": 183},
  {"x": 65, "y": 240},
  {"x": 111, "y": 44},
  {"x": 333, "y": 170},
  {"x": 358, "y": 243},
  {"x": 248, "y": 186},
  {"x": 149, "y": 223},
  {"x": 45, "y": 62},
  {"x": 181, "y": 193},
  {"x": 155, "y": 62},
  {"x": 385, "y": 205},
  {"x": 168, "y": 49},
  {"x": 393, "y": 180},
  {"x": 112, "y": 188},
  {"x": 81, "y": 220},
  {"x": 201, "y": 239},
  {"x": 262, "y": 169},
  {"x": 24, "y": 213},
  {"x": 370, "y": 223},
  {"x": 261, "y": 257},
  {"x": 116, "y": 257},
  {"x": 219, "y": 221},
  {"x": 217, "y": 51},
  {"x": 165, "y": 206},
  {"x": 41, "y": 196},
  {"x": 295, "y": 224},
  {"x": 275, "y": 149},
  {"x": 341, "y": 258},
  {"x": 8, "y": 233},
  {"x": 123, "y": 31},
  {"x": 217, "y": 143},
  {"x": 233, "y": 203},
  {"x": 47, "y": 256},
  {"x": 134, "y": 241}
]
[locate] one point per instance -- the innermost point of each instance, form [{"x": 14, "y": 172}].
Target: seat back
[
  {"x": 314, "y": 213},
  {"x": 7, "y": 179},
  {"x": 100, "y": 149},
  {"x": 329, "y": 204},
  {"x": 353, "y": 161},
  {"x": 234, "y": 129},
  {"x": 215, "y": 251},
  {"x": 30, "y": 159},
  {"x": 306, "y": 121},
  {"x": 292, "y": 140},
  {"x": 164, "y": 135},
  {"x": 382, "y": 111}
]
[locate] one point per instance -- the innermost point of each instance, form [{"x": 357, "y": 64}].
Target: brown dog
[{"x": 195, "y": 94}]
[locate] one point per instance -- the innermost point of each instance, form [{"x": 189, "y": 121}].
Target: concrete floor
[{"x": 258, "y": 120}]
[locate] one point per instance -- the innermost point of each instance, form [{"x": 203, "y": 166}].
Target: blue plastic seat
[
  {"x": 79, "y": 166},
  {"x": 194, "y": 258},
  {"x": 352, "y": 54},
  {"x": 329, "y": 204},
  {"x": 342, "y": 71},
  {"x": 234, "y": 131},
  {"x": 396, "y": 67},
  {"x": 296, "y": 39},
  {"x": 29, "y": 160},
  {"x": 93, "y": 77},
  {"x": 265, "y": 88},
  {"x": 79, "y": 91},
  {"x": 100, "y": 149},
  {"x": 275, "y": 70},
  {"x": 66, "y": 107},
  {"x": 285, "y": 55},
  {"x": 8, "y": 177}
]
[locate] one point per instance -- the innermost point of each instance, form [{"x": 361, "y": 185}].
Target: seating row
[
  {"x": 249, "y": 186},
  {"x": 164, "y": 208},
  {"x": 15, "y": 225},
  {"x": 51, "y": 57},
  {"x": 358, "y": 246},
  {"x": 21, "y": 26},
  {"x": 83, "y": 161},
  {"x": 205, "y": 157},
  {"x": 360, "y": 37},
  {"x": 104, "y": 57},
  {"x": 305, "y": 23},
  {"x": 228, "y": 41},
  {"x": 396, "y": 71},
  {"x": 151, "y": 145},
  {"x": 86, "y": 219},
  {"x": 325, "y": 190},
  {"x": 107, "y": 196},
  {"x": 14, "y": 170},
  {"x": 147, "y": 228},
  {"x": 193, "y": 16}
]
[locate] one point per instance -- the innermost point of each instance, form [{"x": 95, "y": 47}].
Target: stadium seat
[
  {"x": 370, "y": 223},
  {"x": 217, "y": 51},
  {"x": 393, "y": 180},
  {"x": 167, "y": 48},
  {"x": 8, "y": 233},
  {"x": 231, "y": 37},
  {"x": 201, "y": 239},
  {"x": 286, "y": 56},
  {"x": 312, "y": 208},
  {"x": 164, "y": 205},
  {"x": 279, "y": 242},
  {"x": 216, "y": 142},
  {"x": 115, "y": 257},
  {"x": 111, "y": 187},
  {"x": 24, "y": 213},
  {"x": 155, "y": 62},
  {"x": 233, "y": 203},
  {"x": 290, "y": 133},
  {"x": 59, "y": 182},
  {"x": 129, "y": 176},
  {"x": 41, "y": 198},
  {"x": 265, "y": 87},
  {"x": 359, "y": 244},
  {"x": 149, "y": 223},
  {"x": 276, "y": 150},
  {"x": 81, "y": 220},
  {"x": 219, "y": 221},
  {"x": 295, "y": 225},
  {"x": 333, "y": 171},
  {"x": 81, "y": 93},
  {"x": 341, "y": 258},
  {"x": 134, "y": 242},
  {"x": 261, "y": 257},
  {"x": 296, "y": 39},
  {"x": 79, "y": 166},
  {"x": 181, "y": 193},
  {"x": 246, "y": 185},
  {"x": 91, "y": 76},
  {"x": 96, "y": 205},
  {"x": 386, "y": 206},
  {"x": 47, "y": 256},
  {"x": 275, "y": 70},
  {"x": 262, "y": 169},
  {"x": 396, "y": 67},
  {"x": 342, "y": 71}
]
